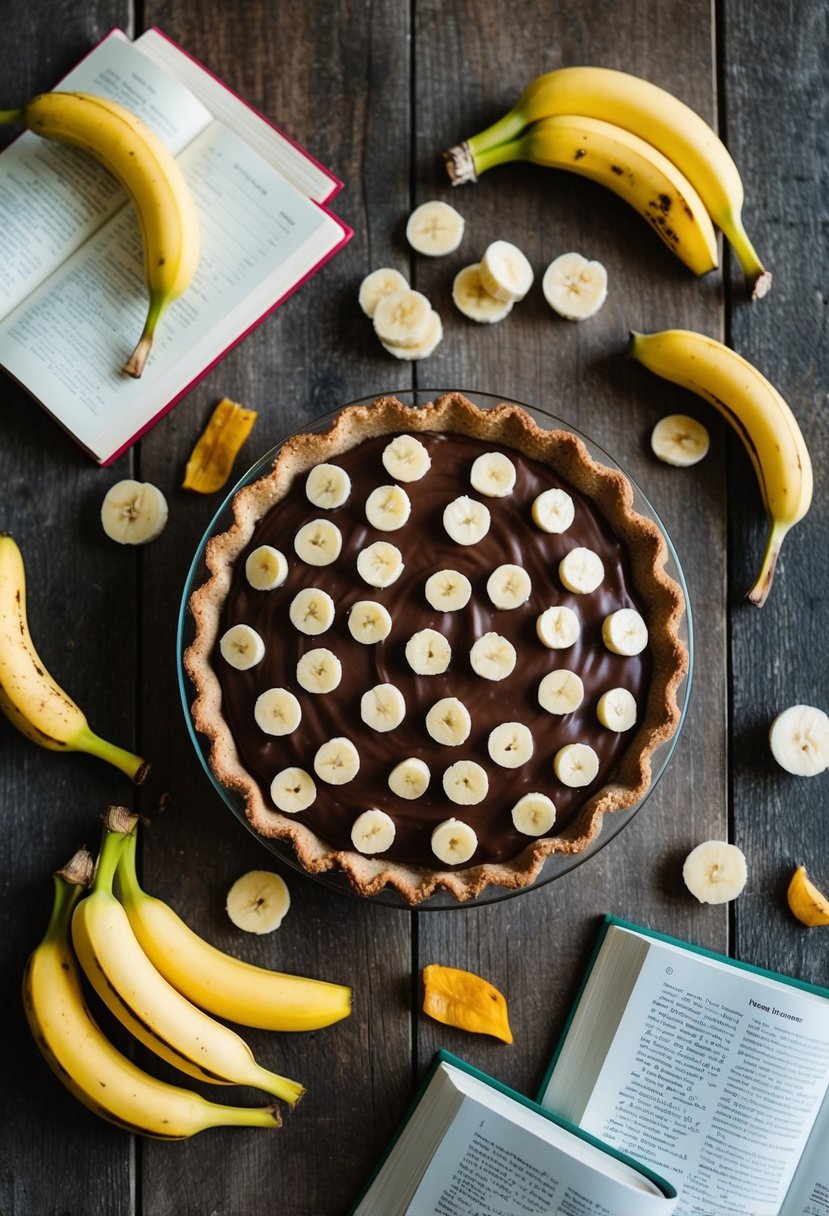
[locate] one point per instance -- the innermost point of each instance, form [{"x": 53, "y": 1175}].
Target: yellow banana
[
  {"x": 29, "y": 697},
  {"x": 758, "y": 414},
  {"x": 808, "y": 904},
  {"x": 647, "y": 111},
  {"x": 629, "y": 167},
  {"x": 85, "y": 1061},
  {"x": 217, "y": 982},
  {"x": 150, "y": 176},
  {"x": 139, "y": 996}
]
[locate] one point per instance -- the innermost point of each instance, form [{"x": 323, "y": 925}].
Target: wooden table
[{"x": 376, "y": 91}]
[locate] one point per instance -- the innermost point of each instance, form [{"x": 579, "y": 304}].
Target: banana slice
[
  {"x": 505, "y": 272},
  {"x": 242, "y": 647},
  {"x": 258, "y": 901},
  {"x": 293, "y": 790},
  {"x": 428, "y": 652},
  {"x": 799, "y": 738},
  {"x": 448, "y": 590},
  {"x": 806, "y": 901},
  {"x": 327, "y": 486},
  {"x": 377, "y": 284},
  {"x": 575, "y": 765},
  {"x": 553, "y": 511},
  {"x": 466, "y": 521},
  {"x": 715, "y": 872},
  {"x": 435, "y": 229},
  {"x": 369, "y": 622},
  {"x": 422, "y": 349},
  {"x": 509, "y": 586},
  {"x": 402, "y": 318},
  {"x": 581, "y": 571},
  {"x": 406, "y": 458},
  {"x": 465, "y": 782},
  {"x": 383, "y": 707},
  {"x": 312, "y": 611},
  {"x": 574, "y": 287},
  {"x": 388, "y": 508},
  {"x": 277, "y": 712},
  {"x": 492, "y": 657},
  {"x": 337, "y": 761},
  {"x": 448, "y": 722},
  {"x": 493, "y": 474},
  {"x": 560, "y": 692},
  {"x": 319, "y": 671},
  {"x": 373, "y": 831},
  {"x": 474, "y": 301},
  {"x": 624, "y": 632},
  {"x": 680, "y": 440},
  {"x": 511, "y": 744},
  {"x": 410, "y": 778},
  {"x": 454, "y": 842},
  {"x": 318, "y": 542},
  {"x": 617, "y": 709},
  {"x": 558, "y": 627},
  {"x": 380, "y": 564},
  {"x": 266, "y": 568},
  {"x": 133, "y": 512},
  {"x": 534, "y": 814}
]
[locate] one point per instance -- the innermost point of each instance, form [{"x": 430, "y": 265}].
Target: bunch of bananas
[
  {"x": 638, "y": 140},
  {"x": 159, "y": 979}
]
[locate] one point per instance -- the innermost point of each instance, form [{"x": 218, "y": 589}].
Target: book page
[
  {"x": 53, "y": 197},
  {"x": 809, "y": 1192}
]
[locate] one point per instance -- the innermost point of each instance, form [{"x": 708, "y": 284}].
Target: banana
[
  {"x": 680, "y": 441},
  {"x": 492, "y": 657},
  {"x": 277, "y": 712},
  {"x": 799, "y": 740},
  {"x": 373, "y": 831},
  {"x": 241, "y": 647},
  {"x": 447, "y": 590},
  {"x": 509, "y": 586},
  {"x": 337, "y": 761},
  {"x": 380, "y": 564},
  {"x": 422, "y": 348},
  {"x": 388, "y": 508},
  {"x": 293, "y": 790},
  {"x": 327, "y": 486},
  {"x": 560, "y": 692},
  {"x": 510, "y": 744},
  {"x": 410, "y": 778},
  {"x": 402, "y": 318},
  {"x": 406, "y": 458},
  {"x": 573, "y": 287},
  {"x": 145, "y": 1002},
  {"x": 312, "y": 611},
  {"x": 616, "y": 709},
  {"x": 448, "y": 722},
  {"x": 758, "y": 414},
  {"x": 644, "y": 109},
  {"x": 318, "y": 543},
  {"x": 506, "y": 272},
  {"x": 266, "y": 568},
  {"x": 428, "y": 652},
  {"x": 85, "y": 1061},
  {"x": 454, "y": 842},
  {"x": 383, "y": 707},
  {"x": 133, "y": 512},
  {"x": 715, "y": 872},
  {"x": 29, "y": 696},
  {"x": 806, "y": 901},
  {"x": 258, "y": 901},
  {"x": 576, "y": 765},
  {"x": 369, "y": 622},
  {"x": 223, "y": 985},
  {"x": 319, "y": 670},
  {"x": 435, "y": 228},
  {"x": 493, "y": 474},
  {"x": 145, "y": 168},
  {"x": 465, "y": 782},
  {"x": 581, "y": 571},
  {"x": 624, "y": 632},
  {"x": 379, "y": 283},
  {"x": 558, "y": 627},
  {"x": 471, "y": 298},
  {"x": 466, "y": 521},
  {"x": 553, "y": 511},
  {"x": 534, "y": 814}
]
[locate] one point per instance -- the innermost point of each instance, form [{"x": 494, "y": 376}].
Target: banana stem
[
  {"x": 499, "y": 155},
  {"x": 9, "y": 116},
  {"x": 757, "y": 277},
  {"x": 500, "y": 132},
  {"x": 129, "y": 887},
  {"x": 134, "y": 366},
  {"x": 241, "y": 1116},
  {"x": 108, "y": 858},
  {"x": 135, "y": 768},
  {"x": 67, "y": 894},
  {"x": 762, "y": 586}
]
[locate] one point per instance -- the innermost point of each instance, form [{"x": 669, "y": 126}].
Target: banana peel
[
  {"x": 808, "y": 904},
  {"x": 211, "y": 460},
  {"x": 465, "y": 1000}
]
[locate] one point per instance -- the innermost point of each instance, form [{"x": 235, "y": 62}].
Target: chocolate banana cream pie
[{"x": 436, "y": 646}]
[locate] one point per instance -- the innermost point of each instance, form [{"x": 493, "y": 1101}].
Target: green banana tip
[{"x": 10, "y": 116}]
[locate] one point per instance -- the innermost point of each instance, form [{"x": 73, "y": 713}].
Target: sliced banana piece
[
  {"x": 680, "y": 440},
  {"x": 448, "y": 590},
  {"x": 327, "y": 486},
  {"x": 715, "y": 872},
  {"x": 617, "y": 709},
  {"x": 319, "y": 671},
  {"x": 576, "y": 765},
  {"x": 448, "y": 722},
  {"x": 373, "y": 831},
  {"x": 799, "y": 738},
  {"x": 474, "y": 301},
  {"x": 242, "y": 647},
  {"x": 293, "y": 790},
  {"x": 509, "y": 586},
  {"x": 277, "y": 712},
  {"x": 506, "y": 272},
  {"x": 379, "y": 283},
  {"x": 312, "y": 611},
  {"x": 319, "y": 542},
  {"x": 492, "y": 657},
  {"x": 625, "y": 632},
  {"x": 369, "y": 622},
  {"x": 410, "y": 778},
  {"x": 380, "y": 564},
  {"x": 435, "y": 229},
  {"x": 266, "y": 568},
  {"x": 493, "y": 474},
  {"x": 258, "y": 901},
  {"x": 402, "y": 318},
  {"x": 422, "y": 349},
  {"x": 558, "y": 627},
  {"x": 383, "y": 707},
  {"x": 806, "y": 901},
  {"x": 510, "y": 744},
  {"x": 574, "y": 287},
  {"x": 388, "y": 508},
  {"x": 553, "y": 511},
  {"x": 454, "y": 842},
  {"x": 534, "y": 814},
  {"x": 466, "y": 520},
  {"x": 133, "y": 512},
  {"x": 428, "y": 652},
  {"x": 581, "y": 571},
  {"x": 560, "y": 692},
  {"x": 406, "y": 458},
  {"x": 465, "y": 782},
  {"x": 337, "y": 762}
]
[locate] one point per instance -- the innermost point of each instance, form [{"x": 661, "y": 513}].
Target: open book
[
  {"x": 713, "y": 1072},
  {"x": 470, "y": 1146},
  {"x": 72, "y": 293}
]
